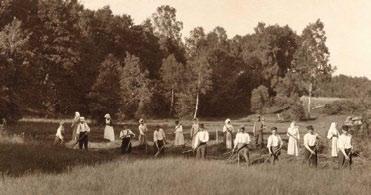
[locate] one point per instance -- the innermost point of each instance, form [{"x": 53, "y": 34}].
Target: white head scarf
[
  {"x": 332, "y": 131},
  {"x": 293, "y": 129},
  {"x": 77, "y": 114},
  {"x": 227, "y": 121},
  {"x": 107, "y": 116}
]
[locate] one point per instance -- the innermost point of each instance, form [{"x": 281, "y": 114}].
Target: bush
[
  {"x": 340, "y": 107},
  {"x": 295, "y": 112},
  {"x": 259, "y": 99}
]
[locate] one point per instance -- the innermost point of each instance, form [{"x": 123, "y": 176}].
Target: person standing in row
[
  {"x": 241, "y": 143},
  {"x": 228, "y": 133},
  {"x": 345, "y": 148},
  {"x": 274, "y": 145},
  {"x": 83, "y": 131},
  {"x": 126, "y": 135},
  {"x": 310, "y": 144},
  {"x": 109, "y": 133},
  {"x": 179, "y": 137},
  {"x": 258, "y": 129},
  {"x": 142, "y": 133},
  {"x": 294, "y": 137},
  {"x": 59, "y": 136},
  {"x": 74, "y": 125},
  {"x": 202, "y": 137},
  {"x": 159, "y": 139},
  {"x": 333, "y": 135},
  {"x": 194, "y": 130}
]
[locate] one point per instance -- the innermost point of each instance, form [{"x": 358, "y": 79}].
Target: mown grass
[{"x": 189, "y": 176}]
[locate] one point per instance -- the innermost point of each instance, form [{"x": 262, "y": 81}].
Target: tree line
[{"x": 57, "y": 57}]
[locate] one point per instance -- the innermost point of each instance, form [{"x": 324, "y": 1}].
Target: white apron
[{"x": 109, "y": 133}]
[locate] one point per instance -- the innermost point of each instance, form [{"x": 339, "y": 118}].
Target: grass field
[{"x": 38, "y": 167}]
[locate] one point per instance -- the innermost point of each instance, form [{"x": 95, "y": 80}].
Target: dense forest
[{"x": 56, "y": 57}]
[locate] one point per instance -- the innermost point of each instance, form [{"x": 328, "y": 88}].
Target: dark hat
[
  {"x": 310, "y": 127},
  {"x": 274, "y": 129},
  {"x": 202, "y": 125},
  {"x": 345, "y": 128},
  {"x": 242, "y": 127}
]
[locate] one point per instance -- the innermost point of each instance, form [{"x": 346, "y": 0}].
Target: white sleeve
[
  {"x": 248, "y": 139},
  {"x": 235, "y": 140},
  {"x": 207, "y": 136},
  {"x": 78, "y": 129},
  {"x": 269, "y": 142},
  {"x": 224, "y": 129},
  {"x": 154, "y": 137},
  {"x": 87, "y": 128},
  {"x": 298, "y": 133},
  {"x": 329, "y": 134}
]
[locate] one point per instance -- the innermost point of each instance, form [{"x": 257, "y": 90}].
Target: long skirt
[
  {"x": 74, "y": 132},
  {"x": 228, "y": 140},
  {"x": 109, "y": 133},
  {"x": 310, "y": 158},
  {"x": 334, "y": 147},
  {"x": 343, "y": 163},
  {"x": 125, "y": 145},
  {"x": 179, "y": 139},
  {"x": 142, "y": 139},
  {"x": 201, "y": 151},
  {"x": 292, "y": 147},
  {"x": 259, "y": 139}
]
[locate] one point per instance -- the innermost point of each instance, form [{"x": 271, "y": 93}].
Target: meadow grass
[{"x": 190, "y": 176}]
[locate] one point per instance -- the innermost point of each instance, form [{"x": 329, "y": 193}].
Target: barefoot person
[
  {"x": 59, "y": 136},
  {"x": 75, "y": 123},
  {"x": 202, "y": 137},
  {"x": 126, "y": 135},
  {"x": 259, "y": 126},
  {"x": 109, "y": 133},
  {"x": 333, "y": 135},
  {"x": 274, "y": 145},
  {"x": 159, "y": 140},
  {"x": 83, "y": 131},
  {"x": 294, "y": 136},
  {"x": 228, "y": 133},
  {"x": 345, "y": 148},
  {"x": 179, "y": 137},
  {"x": 142, "y": 133},
  {"x": 310, "y": 144},
  {"x": 241, "y": 143},
  {"x": 194, "y": 130}
]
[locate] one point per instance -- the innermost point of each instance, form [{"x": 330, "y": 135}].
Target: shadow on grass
[{"x": 19, "y": 159}]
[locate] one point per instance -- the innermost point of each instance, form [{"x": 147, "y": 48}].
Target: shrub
[
  {"x": 295, "y": 112},
  {"x": 259, "y": 99},
  {"x": 340, "y": 107}
]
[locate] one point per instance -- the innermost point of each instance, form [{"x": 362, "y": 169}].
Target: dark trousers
[
  {"x": 276, "y": 152},
  {"x": 83, "y": 140},
  {"x": 343, "y": 163},
  {"x": 201, "y": 151},
  {"x": 310, "y": 158},
  {"x": 125, "y": 145},
  {"x": 160, "y": 147},
  {"x": 259, "y": 139}
]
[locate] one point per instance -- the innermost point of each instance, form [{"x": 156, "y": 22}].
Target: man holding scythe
[
  {"x": 202, "y": 137},
  {"x": 274, "y": 145},
  {"x": 241, "y": 143},
  {"x": 310, "y": 144}
]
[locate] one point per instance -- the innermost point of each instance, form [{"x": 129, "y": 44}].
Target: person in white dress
[
  {"x": 75, "y": 123},
  {"x": 179, "y": 137},
  {"x": 194, "y": 130},
  {"x": 241, "y": 143},
  {"x": 59, "y": 136},
  {"x": 228, "y": 134},
  {"x": 333, "y": 135},
  {"x": 109, "y": 132},
  {"x": 142, "y": 133},
  {"x": 294, "y": 137}
]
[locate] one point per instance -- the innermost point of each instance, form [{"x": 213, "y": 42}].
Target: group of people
[{"x": 341, "y": 146}]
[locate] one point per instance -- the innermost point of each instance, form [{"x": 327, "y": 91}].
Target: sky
[{"x": 347, "y": 22}]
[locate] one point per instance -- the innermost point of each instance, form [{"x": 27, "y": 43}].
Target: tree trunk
[
  {"x": 309, "y": 98},
  {"x": 197, "y": 101},
  {"x": 172, "y": 102}
]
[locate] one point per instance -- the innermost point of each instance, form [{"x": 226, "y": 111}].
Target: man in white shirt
[
  {"x": 202, "y": 137},
  {"x": 125, "y": 136},
  {"x": 345, "y": 148},
  {"x": 83, "y": 130},
  {"x": 241, "y": 143},
  {"x": 159, "y": 140},
  {"x": 274, "y": 144},
  {"x": 310, "y": 144}
]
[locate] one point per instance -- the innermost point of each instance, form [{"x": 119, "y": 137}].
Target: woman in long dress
[
  {"x": 333, "y": 135},
  {"x": 194, "y": 131},
  {"x": 109, "y": 133},
  {"x": 294, "y": 136},
  {"x": 75, "y": 123},
  {"x": 228, "y": 134},
  {"x": 179, "y": 137}
]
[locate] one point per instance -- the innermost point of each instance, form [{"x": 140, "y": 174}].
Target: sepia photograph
[{"x": 188, "y": 97}]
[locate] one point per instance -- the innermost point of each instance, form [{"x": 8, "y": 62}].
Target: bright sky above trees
[{"x": 347, "y": 23}]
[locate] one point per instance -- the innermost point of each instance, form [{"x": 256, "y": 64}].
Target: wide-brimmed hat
[
  {"x": 345, "y": 128},
  {"x": 274, "y": 129}
]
